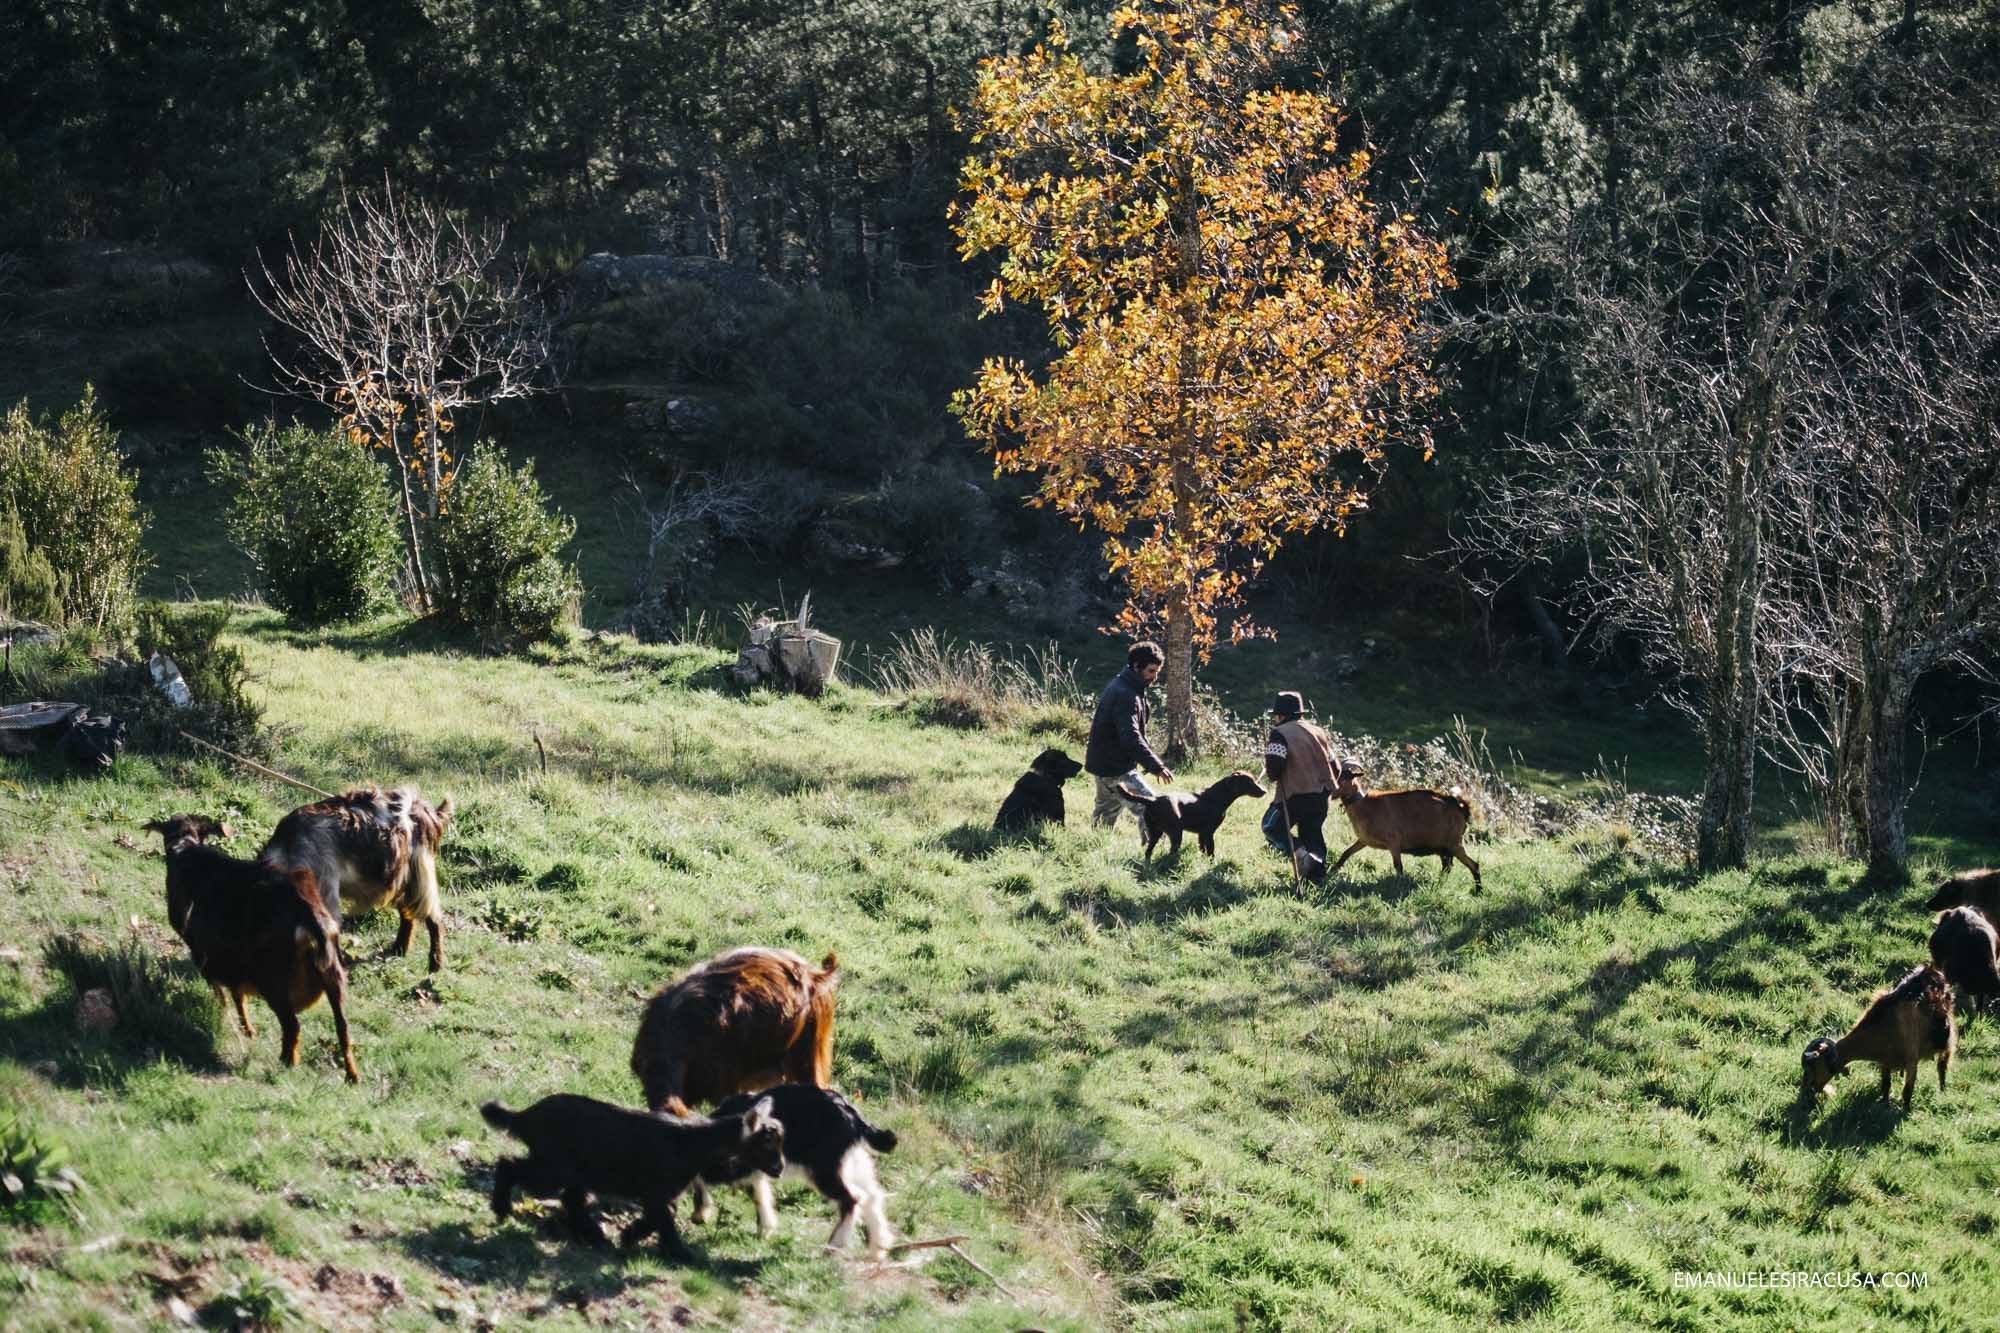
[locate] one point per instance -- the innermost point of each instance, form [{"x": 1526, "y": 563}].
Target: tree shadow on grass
[
  {"x": 1216, "y": 889},
  {"x": 161, "y": 1008},
  {"x": 398, "y": 637}
]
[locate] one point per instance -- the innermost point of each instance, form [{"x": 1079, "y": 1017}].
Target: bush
[
  {"x": 499, "y": 548},
  {"x": 216, "y": 675},
  {"x": 942, "y": 521},
  {"x": 29, "y": 589},
  {"x": 35, "y": 1180},
  {"x": 75, "y": 503},
  {"x": 316, "y": 516}
]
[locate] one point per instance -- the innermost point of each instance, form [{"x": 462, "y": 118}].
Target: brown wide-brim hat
[{"x": 1289, "y": 704}]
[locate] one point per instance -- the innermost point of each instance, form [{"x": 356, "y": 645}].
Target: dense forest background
[{"x": 815, "y": 146}]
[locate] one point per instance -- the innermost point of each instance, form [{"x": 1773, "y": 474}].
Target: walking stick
[{"x": 1291, "y": 848}]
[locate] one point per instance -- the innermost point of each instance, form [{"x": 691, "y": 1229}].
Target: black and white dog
[{"x": 827, "y": 1143}]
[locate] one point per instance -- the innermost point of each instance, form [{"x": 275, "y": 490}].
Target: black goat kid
[{"x": 579, "y": 1146}]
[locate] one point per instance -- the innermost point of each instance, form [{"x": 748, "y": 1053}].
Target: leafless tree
[
  {"x": 1786, "y": 352},
  {"x": 1677, "y": 322},
  {"x": 400, "y": 316},
  {"x": 1891, "y": 566}
]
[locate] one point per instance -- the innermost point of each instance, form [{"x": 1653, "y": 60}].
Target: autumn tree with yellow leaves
[
  {"x": 1232, "y": 314},
  {"x": 399, "y": 316}
]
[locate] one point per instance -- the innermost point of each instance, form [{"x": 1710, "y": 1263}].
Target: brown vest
[{"x": 1308, "y": 761}]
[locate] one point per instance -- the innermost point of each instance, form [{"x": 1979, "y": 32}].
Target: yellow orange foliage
[{"x": 1232, "y": 312}]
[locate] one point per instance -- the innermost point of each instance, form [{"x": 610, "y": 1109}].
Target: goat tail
[
  {"x": 881, "y": 1140},
  {"x": 319, "y": 945},
  {"x": 819, "y": 1019},
  {"x": 499, "y": 1116}
]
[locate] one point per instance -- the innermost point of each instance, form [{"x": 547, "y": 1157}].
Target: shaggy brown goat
[
  {"x": 741, "y": 1022},
  {"x": 370, "y": 848},
  {"x": 1417, "y": 820},
  {"x": 1964, "y": 946},
  {"x": 1170, "y": 814},
  {"x": 1977, "y": 889},
  {"x": 1902, "y": 1026},
  {"x": 253, "y": 931},
  {"x": 579, "y": 1146}
]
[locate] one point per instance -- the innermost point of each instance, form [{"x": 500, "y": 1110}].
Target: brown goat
[
  {"x": 1416, "y": 820},
  {"x": 369, "y": 848},
  {"x": 1966, "y": 948},
  {"x": 1977, "y": 889},
  {"x": 1902, "y": 1026},
  {"x": 254, "y": 931},
  {"x": 741, "y": 1022}
]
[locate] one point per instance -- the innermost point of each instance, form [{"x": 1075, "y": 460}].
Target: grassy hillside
[{"x": 1183, "y": 1096}]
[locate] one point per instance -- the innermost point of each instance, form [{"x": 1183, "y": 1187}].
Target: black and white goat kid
[{"x": 827, "y": 1143}]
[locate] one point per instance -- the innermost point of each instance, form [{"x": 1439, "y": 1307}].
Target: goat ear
[
  {"x": 758, "y": 1118},
  {"x": 223, "y": 831}
]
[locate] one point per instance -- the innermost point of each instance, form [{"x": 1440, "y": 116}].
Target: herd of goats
[{"x": 750, "y": 1032}]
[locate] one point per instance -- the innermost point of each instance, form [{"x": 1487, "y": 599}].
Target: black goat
[
  {"x": 579, "y": 1146},
  {"x": 255, "y": 931},
  {"x": 1964, "y": 946}
]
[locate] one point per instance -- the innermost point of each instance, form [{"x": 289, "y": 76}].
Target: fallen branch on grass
[
  {"x": 268, "y": 772},
  {"x": 956, "y": 1245}
]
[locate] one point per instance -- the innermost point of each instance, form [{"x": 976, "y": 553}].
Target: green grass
[{"x": 1170, "y": 1097}]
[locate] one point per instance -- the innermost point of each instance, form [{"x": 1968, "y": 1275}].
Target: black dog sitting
[
  {"x": 1173, "y": 813},
  {"x": 1037, "y": 794}
]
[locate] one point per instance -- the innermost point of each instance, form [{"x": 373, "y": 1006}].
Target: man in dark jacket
[{"x": 1118, "y": 750}]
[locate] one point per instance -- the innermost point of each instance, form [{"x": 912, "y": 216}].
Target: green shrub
[
  {"x": 499, "y": 549},
  {"x": 35, "y": 1182},
  {"x": 314, "y": 512},
  {"x": 29, "y": 589},
  {"x": 943, "y": 521},
  {"x": 222, "y": 711},
  {"x": 75, "y": 502}
]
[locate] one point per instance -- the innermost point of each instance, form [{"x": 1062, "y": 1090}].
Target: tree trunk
[
  {"x": 1723, "y": 829},
  {"x": 411, "y": 544},
  {"x": 1729, "y": 789},
  {"x": 1180, "y": 680},
  {"x": 1888, "y": 783}
]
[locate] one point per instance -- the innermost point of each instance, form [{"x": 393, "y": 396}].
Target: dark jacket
[{"x": 1118, "y": 732}]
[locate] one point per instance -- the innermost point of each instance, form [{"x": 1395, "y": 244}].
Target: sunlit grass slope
[{"x": 1177, "y": 1097}]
